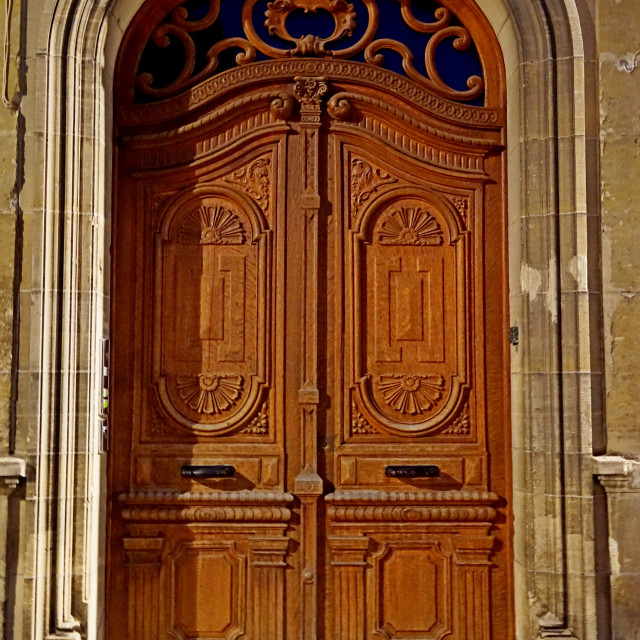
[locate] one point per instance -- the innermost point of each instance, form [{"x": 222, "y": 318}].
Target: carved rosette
[{"x": 212, "y": 225}]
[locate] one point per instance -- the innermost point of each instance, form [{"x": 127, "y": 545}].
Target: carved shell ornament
[
  {"x": 210, "y": 393},
  {"x": 212, "y": 224},
  {"x": 409, "y": 226},
  {"x": 412, "y": 394},
  {"x": 195, "y": 38}
]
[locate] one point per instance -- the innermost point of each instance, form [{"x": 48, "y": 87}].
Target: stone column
[{"x": 620, "y": 478}]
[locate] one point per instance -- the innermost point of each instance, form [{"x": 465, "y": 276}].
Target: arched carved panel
[
  {"x": 212, "y": 270},
  {"x": 411, "y": 327}
]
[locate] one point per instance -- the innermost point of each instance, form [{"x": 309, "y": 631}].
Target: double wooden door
[{"x": 310, "y": 409}]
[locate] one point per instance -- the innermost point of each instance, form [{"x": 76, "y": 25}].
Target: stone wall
[
  {"x": 618, "y": 28},
  {"x": 11, "y": 166}
]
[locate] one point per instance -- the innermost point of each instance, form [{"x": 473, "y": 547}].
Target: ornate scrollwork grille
[{"x": 196, "y": 39}]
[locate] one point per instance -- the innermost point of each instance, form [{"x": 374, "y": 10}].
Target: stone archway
[{"x": 547, "y": 47}]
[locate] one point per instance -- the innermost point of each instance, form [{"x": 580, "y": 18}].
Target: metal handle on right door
[{"x": 412, "y": 471}]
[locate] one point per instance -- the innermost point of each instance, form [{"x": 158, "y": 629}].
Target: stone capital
[
  {"x": 12, "y": 469},
  {"x": 617, "y": 474}
]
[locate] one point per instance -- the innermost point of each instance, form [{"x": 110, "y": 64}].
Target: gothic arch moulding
[{"x": 549, "y": 53}]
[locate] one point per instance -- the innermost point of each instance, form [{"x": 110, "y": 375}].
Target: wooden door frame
[{"x": 75, "y": 44}]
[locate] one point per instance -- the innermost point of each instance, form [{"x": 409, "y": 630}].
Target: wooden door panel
[
  {"x": 211, "y": 299},
  {"x": 421, "y": 563},
  {"x": 408, "y": 286},
  {"x": 206, "y": 582}
]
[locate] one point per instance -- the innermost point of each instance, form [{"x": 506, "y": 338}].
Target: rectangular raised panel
[
  {"x": 411, "y": 589},
  {"x": 167, "y": 470},
  {"x": 204, "y": 593},
  {"x": 409, "y": 307},
  {"x": 371, "y": 471}
]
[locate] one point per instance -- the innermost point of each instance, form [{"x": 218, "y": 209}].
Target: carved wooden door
[{"x": 310, "y": 415}]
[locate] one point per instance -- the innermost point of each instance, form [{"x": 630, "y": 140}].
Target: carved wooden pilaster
[
  {"x": 472, "y": 570},
  {"x": 144, "y": 557},
  {"x": 308, "y": 485},
  {"x": 266, "y": 588},
  {"x": 348, "y": 564}
]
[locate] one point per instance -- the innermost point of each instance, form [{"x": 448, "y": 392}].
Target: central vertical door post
[{"x": 308, "y": 485}]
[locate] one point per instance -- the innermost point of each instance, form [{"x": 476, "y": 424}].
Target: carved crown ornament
[{"x": 195, "y": 41}]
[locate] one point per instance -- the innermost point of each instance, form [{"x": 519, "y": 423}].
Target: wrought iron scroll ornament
[{"x": 201, "y": 56}]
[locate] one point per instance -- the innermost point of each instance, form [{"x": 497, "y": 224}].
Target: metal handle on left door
[{"x": 208, "y": 471}]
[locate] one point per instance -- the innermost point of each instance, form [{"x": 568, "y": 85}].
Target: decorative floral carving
[
  {"x": 259, "y": 425},
  {"x": 157, "y": 424},
  {"x": 309, "y": 90},
  {"x": 276, "y": 17},
  {"x": 177, "y": 29},
  {"x": 212, "y": 225},
  {"x": 461, "y": 425},
  {"x": 366, "y": 180},
  {"x": 359, "y": 424},
  {"x": 220, "y": 85},
  {"x": 411, "y": 393},
  {"x": 210, "y": 393},
  {"x": 255, "y": 181},
  {"x": 461, "y": 204},
  {"x": 441, "y": 30},
  {"x": 160, "y": 201},
  {"x": 409, "y": 226}
]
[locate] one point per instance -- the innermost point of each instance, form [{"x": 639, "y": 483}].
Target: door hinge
[
  {"x": 103, "y": 411},
  {"x": 514, "y": 335}
]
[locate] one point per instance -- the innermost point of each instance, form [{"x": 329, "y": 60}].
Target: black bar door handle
[
  {"x": 412, "y": 471},
  {"x": 208, "y": 471}
]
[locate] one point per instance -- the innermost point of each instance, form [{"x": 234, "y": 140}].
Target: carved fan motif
[
  {"x": 210, "y": 393},
  {"x": 409, "y": 226},
  {"x": 411, "y": 393},
  {"x": 212, "y": 225}
]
